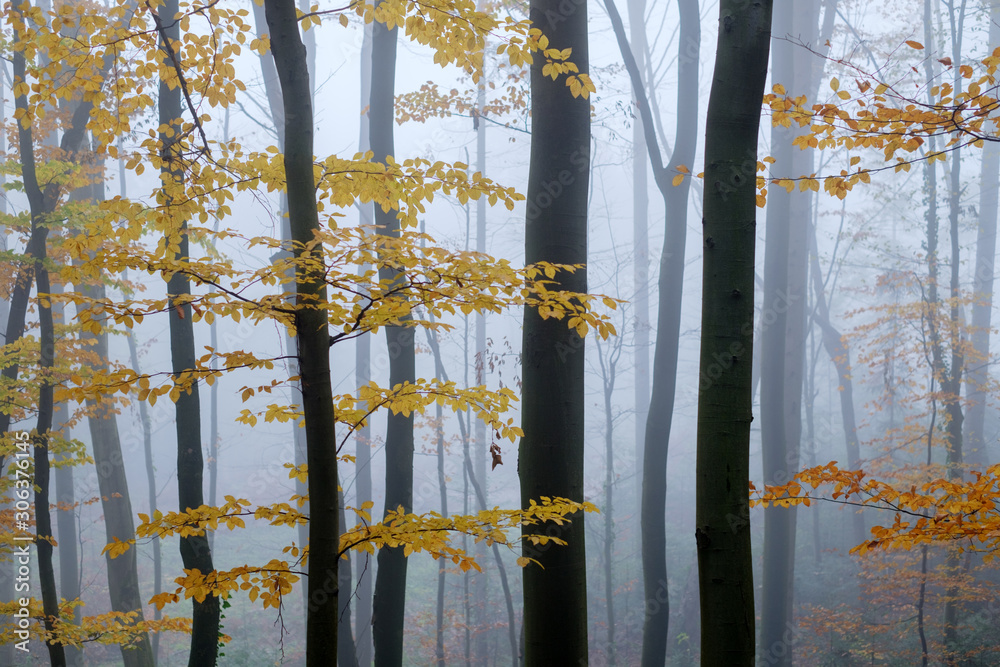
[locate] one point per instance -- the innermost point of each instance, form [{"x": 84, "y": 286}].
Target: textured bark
[
  {"x": 671, "y": 287},
  {"x": 982, "y": 286},
  {"x": 724, "y": 404},
  {"x": 390, "y": 584},
  {"x": 196, "y": 554},
  {"x": 550, "y": 457},
  {"x": 313, "y": 336}
]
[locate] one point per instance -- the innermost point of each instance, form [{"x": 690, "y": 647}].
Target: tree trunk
[
  {"x": 112, "y": 483},
  {"x": 313, "y": 336},
  {"x": 147, "y": 448},
  {"x": 390, "y": 584},
  {"x": 982, "y": 286},
  {"x": 69, "y": 557},
  {"x": 640, "y": 243},
  {"x": 346, "y": 653},
  {"x": 671, "y": 287},
  {"x": 195, "y": 551},
  {"x": 43, "y": 517},
  {"x": 724, "y": 403},
  {"x": 550, "y": 457},
  {"x": 839, "y": 353},
  {"x": 272, "y": 89},
  {"x": 775, "y": 395}
]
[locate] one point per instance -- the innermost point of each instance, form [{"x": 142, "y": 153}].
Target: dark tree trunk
[
  {"x": 724, "y": 403},
  {"x": 43, "y": 517},
  {"x": 550, "y": 457},
  {"x": 313, "y": 336},
  {"x": 195, "y": 551},
  {"x": 390, "y": 584}
]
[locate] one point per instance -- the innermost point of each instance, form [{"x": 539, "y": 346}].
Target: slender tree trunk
[
  {"x": 69, "y": 557},
  {"x": 195, "y": 550},
  {"x": 550, "y": 459},
  {"x": 776, "y": 396},
  {"x": 480, "y": 579},
  {"x": 313, "y": 336},
  {"x": 40, "y": 204},
  {"x": 346, "y": 652},
  {"x": 671, "y": 287},
  {"x": 390, "y": 584},
  {"x": 43, "y": 517},
  {"x": 147, "y": 448},
  {"x": 609, "y": 366},
  {"x": 640, "y": 242},
  {"x": 839, "y": 353},
  {"x": 480, "y": 494},
  {"x": 272, "y": 89},
  {"x": 951, "y": 380},
  {"x": 982, "y": 286},
  {"x": 362, "y": 376},
  {"x": 724, "y": 404},
  {"x": 112, "y": 482}
]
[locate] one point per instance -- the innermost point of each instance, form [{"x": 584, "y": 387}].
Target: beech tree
[
  {"x": 724, "y": 400},
  {"x": 550, "y": 455}
]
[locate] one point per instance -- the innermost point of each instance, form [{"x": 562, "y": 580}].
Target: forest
[{"x": 385, "y": 333}]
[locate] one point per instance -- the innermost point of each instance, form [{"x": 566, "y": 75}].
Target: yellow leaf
[
  {"x": 678, "y": 179},
  {"x": 914, "y": 45}
]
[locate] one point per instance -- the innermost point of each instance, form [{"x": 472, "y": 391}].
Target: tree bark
[
  {"x": 312, "y": 333},
  {"x": 724, "y": 403},
  {"x": 550, "y": 457},
  {"x": 390, "y": 584},
  {"x": 775, "y": 396},
  {"x": 196, "y": 554}
]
